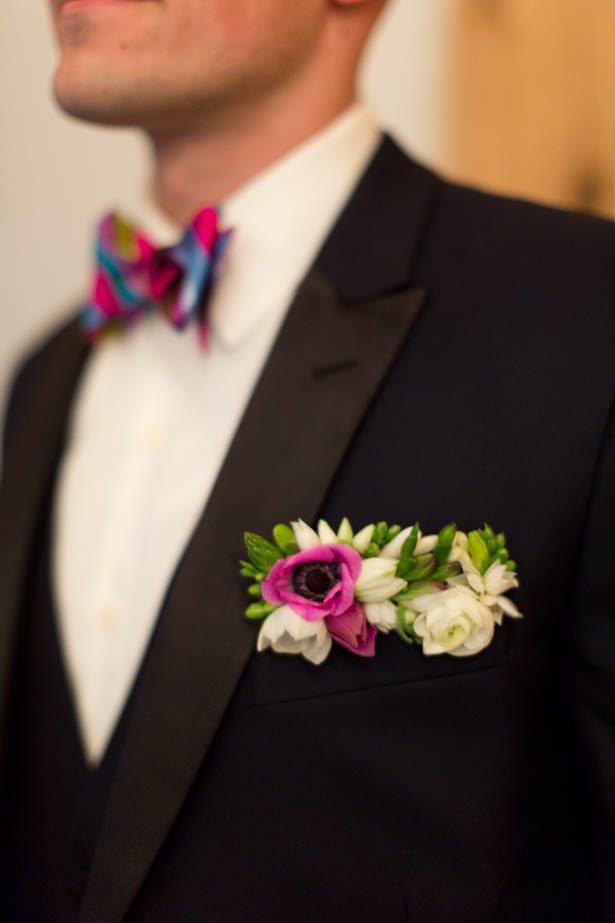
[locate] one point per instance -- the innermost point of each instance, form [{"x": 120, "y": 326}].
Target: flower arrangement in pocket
[{"x": 312, "y": 588}]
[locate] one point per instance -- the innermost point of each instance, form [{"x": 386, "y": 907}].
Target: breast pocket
[{"x": 278, "y": 678}]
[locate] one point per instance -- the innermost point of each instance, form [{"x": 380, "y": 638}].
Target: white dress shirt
[{"x": 154, "y": 417}]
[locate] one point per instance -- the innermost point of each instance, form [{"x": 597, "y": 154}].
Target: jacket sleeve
[{"x": 593, "y": 668}]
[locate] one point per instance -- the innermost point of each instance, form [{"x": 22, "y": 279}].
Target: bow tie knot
[{"x": 132, "y": 275}]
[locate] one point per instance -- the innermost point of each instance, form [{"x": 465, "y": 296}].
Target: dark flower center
[{"x": 315, "y": 579}]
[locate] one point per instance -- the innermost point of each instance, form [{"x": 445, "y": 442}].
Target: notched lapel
[
  {"x": 339, "y": 339},
  {"x": 287, "y": 450}
]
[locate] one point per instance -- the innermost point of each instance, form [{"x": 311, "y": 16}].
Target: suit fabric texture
[{"x": 449, "y": 357}]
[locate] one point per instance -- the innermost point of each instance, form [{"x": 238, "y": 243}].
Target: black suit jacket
[{"x": 449, "y": 357}]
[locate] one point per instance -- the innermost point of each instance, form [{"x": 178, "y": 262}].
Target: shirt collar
[{"x": 280, "y": 220}]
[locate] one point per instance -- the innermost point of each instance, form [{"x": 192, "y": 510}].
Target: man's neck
[{"x": 205, "y": 164}]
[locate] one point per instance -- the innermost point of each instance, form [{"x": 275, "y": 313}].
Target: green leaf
[
  {"x": 478, "y": 551},
  {"x": 446, "y": 536},
  {"x": 261, "y": 552},
  {"x": 285, "y": 539},
  {"x": 406, "y": 563},
  {"x": 380, "y": 533},
  {"x": 258, "y": 611}
]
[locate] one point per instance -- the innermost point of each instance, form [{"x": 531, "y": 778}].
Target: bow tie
[{"x": 132, "y": 275}]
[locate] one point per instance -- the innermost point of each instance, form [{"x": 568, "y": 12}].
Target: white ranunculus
[
  {"x": 453, "y": 622},
  {"x": 490, "y": 588},
  {"x": 377, "y": 581},
  {"x": 326, "y": 534},
  {"x": 287, "y": 633},
  {"x": 305, "y": 535},
  {"x": 382, "y": 616},
  {"x": 362, "y": 539}
]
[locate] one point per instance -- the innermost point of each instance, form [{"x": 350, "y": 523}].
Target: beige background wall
[{"x": 56, "y": 175}]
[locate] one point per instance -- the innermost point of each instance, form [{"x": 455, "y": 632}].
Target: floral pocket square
[{"x": 311, "y": 588}]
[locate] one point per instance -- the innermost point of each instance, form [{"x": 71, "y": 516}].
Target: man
[{"x": 382, "y": 345}]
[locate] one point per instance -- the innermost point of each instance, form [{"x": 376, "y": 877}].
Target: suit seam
[{"x": 363, "y": 689}]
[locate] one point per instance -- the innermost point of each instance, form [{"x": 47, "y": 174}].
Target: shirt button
[
  {"x": 154, "y": 434},
  {"x": 108, "y": 615}
]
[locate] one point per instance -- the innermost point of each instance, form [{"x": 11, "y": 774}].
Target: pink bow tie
[{"x": 132, "y": 275}]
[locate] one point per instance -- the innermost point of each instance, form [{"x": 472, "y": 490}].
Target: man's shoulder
[{"x": 538, "y": 268}]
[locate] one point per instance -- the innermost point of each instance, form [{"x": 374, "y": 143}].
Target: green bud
[
  {"x": 446, "y": 537},
  {"x": 501, "y": 540},
  {"x": 407, "y": 562},
  {"x": 418, "y": 589},
  {"x": 392, "y": 532},
  {"x": 445, "y": 571},
  {"x": 380, "y": 533},
  {"x": 478, "y": 551},
  {"x": 262, "y": 553},
  {"x": 258, "y": 611},
  {"x": 285, "y": 539},
  {"x": 511, "y": 566},
  {"x": 255, "y": 590},
  {"x": 424, "y": 567},
  {"x": 502, "y": 556},
  {"x": 405, "y": 620},
  {"x": 372, "y": 551}
]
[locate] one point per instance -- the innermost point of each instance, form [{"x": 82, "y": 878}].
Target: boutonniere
[{"x": 445, "y": 592}]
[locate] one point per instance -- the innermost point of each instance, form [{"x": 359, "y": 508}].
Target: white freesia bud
[
  {"x": 326, "y": 534},
  {"x": 287, "y": 633},
  {"x": 345, "y": 533},
  {"x": 382, "y": 615},
  {"x": 362, "y": 539},
  {"x": 393, "y": 548},
  {"x": 453, "y": 622},
  {"x": 377, "y": 581},
  {"x": 425, "y": 545},
  {"x": 304, "y": 535}
]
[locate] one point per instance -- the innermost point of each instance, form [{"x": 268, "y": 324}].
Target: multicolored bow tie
[{"x": 132, "y": 275}]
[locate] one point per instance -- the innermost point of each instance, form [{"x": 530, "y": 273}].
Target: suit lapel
[
  {"x": 340, "y": 337},
  {"x": 40, "y": 412}
]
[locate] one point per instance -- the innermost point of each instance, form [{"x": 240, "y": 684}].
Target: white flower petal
[
  {"x": 304, "y": 535},
  {"x": 377, "y": 581},
  {"x": 475, "y": 582},
  {"x": 287, "y": 633},
  {"x": 393, "y": 548},
  {"x": 509, "y": 607},
  {"x": 425, "y": 545},
  {"x": 362, "y": 539},
  {"x": 382, "y": 615},
  {"x": 326, "y": 534},
  {"x": 345, "y": 533}
]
